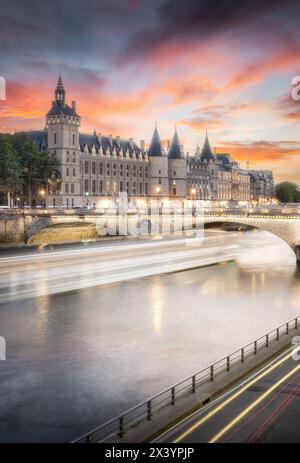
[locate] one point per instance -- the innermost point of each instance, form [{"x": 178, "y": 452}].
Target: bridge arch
[{"x": 287, "y": 229}]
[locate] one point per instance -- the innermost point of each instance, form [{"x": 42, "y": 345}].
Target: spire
[
  {"x": 155, "y": 145},
  {"x": 197, "y": 153},
  {"x": 206, "y": 153},
  {"x": 60, "y": 93},
  {"x": 175, "y": 149}
]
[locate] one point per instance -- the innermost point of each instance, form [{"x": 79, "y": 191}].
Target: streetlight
[{"x": 42, "y": 194}]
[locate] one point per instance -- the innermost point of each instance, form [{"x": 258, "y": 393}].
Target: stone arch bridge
[
  {"x": 20, "y": 227},
  {"x": 286, "y": 227}
]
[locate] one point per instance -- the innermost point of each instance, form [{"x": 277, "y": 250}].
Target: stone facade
[{"x": 94, "y": 166}]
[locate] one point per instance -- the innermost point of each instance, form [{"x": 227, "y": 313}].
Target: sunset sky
[{"x": 222, "y": 65}]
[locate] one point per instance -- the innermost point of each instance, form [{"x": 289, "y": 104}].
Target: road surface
[{"x": 264, "y": 408}]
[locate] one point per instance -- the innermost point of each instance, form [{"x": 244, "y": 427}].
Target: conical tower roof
[
  {"x": 155, "y": 145},
  {"x": 175, "y": 149},
  {"x": 206, "y": 153}
]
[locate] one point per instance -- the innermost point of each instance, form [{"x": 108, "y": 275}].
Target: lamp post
[
  {"x": 42, "y": 194},
  {"x": 87, "y": 194}
]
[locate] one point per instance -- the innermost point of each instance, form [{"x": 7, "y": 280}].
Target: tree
[
  {"x": 10, "y": 172},
  {"x": 36, "y": 166},
  {"x": 288, "y": 192}
]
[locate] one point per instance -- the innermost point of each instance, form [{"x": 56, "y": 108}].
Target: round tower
[
  {"x": 177, "y": 168},
  {"x": 158, "y": 174}
]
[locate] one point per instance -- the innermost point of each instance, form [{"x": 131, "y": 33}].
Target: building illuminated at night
[{"x": 94, "y": 166}]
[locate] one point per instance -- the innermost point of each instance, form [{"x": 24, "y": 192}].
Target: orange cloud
[
  {"x": 261, "y": 151},
  {"x": 284, "y": 58}
]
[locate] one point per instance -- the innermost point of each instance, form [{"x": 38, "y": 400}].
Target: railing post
[
  {"x": 194, "y": 383},
  {"x": 267, "y": 340},
  {"x": 228, "y": 363},
  {"x": 277, "y": 334},
  {"x": 242, "y": 354},
  {"x": 121, "y": 426},
  {"x": 149, "y": 414},
  {"x": 212, "y": 373},
  {"x": 255, "y": 347},
  {"x": 173, "y": 395},
  {"x": 287, "y": 328}
]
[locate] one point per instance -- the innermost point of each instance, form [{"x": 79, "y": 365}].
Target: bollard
[
  {"x": 212, "y": 373},
  {"x": 277, "y": 334},
  {"x": 242, "y": 354},
  {"x": 267, "y": 340},
  {"x": 287, "y": 328},
  {"x": 296, "y": 323},
  {"x": 194, "y": 383},
  {"x": 255, "y": 347},
  {"x": 173, "y": 395},
  {"x": 228, "y": 363},
  {"x": 149, "y": 415},
  {"x": 121, "y": 426}
]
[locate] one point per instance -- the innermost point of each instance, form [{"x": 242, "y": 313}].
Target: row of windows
[
  {"x": 107, "y": 187},
  {"x": 196, "y": 181},
  {"x": 69, "y": 188},
  {"x": 55, "y": 139},
  {"x": 73, "y": 157},
  {"x": 114, "y": 168},
  {"x": 68, "y": 172}
]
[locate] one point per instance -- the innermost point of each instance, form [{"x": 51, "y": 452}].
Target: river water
[{"x": 76, "y": 359}]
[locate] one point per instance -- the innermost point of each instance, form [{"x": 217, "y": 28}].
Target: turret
[
  {"x": 206, "y": 153},
  {"x": 60, "y": 93},
  {"x": 177, "y": 168},
  {"x": 159, "y": 183}
]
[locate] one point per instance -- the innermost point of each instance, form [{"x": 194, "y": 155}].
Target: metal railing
[{"x": 118, "y": 426}]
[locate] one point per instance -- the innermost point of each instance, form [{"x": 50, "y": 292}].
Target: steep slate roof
[
  {"x": 60, "y": 108},
  {"x": 39, "y": 138},
  {"x": 155, "y": 145},
  {"x": 175, "y": 150},
  {"x": 206, "y": 153},
  {"x": 106, "y": 142},
  {"x": 224, "y": 158}
]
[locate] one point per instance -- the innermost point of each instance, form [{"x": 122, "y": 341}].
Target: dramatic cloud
[{"x": 222, "y": 65}]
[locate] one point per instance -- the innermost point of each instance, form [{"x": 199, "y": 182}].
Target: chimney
[
  {"x": 131, "y": 141},
  {"x": 118, "y": 140},
  {"x": 110, "y": 139},
  {"x": 99, "y": 138},
  {"x": 142, "y": 145},
  {"x": 74, "y": 106}
]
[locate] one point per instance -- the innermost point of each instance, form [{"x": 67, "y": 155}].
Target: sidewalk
[{"x": 146, "y": 431}]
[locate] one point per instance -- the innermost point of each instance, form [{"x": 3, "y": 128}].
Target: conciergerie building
[{"x": 93, "y": 166}]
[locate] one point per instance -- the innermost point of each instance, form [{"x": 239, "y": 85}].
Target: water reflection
[{"x": 79, "y": 358}]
